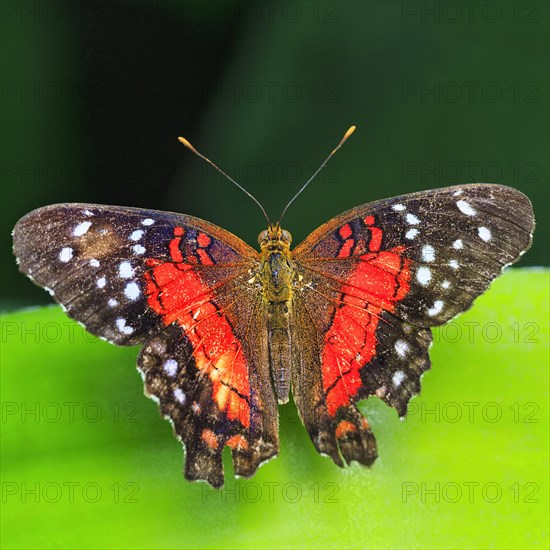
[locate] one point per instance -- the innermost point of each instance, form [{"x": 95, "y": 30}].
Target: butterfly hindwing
[
  {"x": 178, "y": 284},
  {"x": 213, "y": 400},
  {"x": 374, "y": 279}
]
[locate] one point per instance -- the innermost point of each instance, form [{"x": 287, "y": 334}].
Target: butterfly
[{"x": 227, "y": 331}]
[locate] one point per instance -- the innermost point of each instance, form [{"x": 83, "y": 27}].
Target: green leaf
[{"x": 88, "y": 462}]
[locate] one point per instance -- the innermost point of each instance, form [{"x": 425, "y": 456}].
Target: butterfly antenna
[
  {"x": 350, "y": 131},
  {"x": 189, "y": 146}
]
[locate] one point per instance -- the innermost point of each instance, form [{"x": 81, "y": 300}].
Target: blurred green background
[{"x": 94, "y": 95}]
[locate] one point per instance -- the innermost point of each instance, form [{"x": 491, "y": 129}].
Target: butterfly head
[{"x": 274, "y": 236}]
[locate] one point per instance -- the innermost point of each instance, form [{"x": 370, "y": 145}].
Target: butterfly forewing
[
  {"x": 374, "y": 279},
  {"x": 93, "y": 260},
  {"x": 178, "y": 284}
]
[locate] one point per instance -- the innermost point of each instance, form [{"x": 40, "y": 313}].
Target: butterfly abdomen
[{"x": 277, "y": 275}]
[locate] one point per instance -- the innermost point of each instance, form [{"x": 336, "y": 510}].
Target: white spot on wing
[
  {"x": 136, "y": 235},
  {"x": 398, "y": 377},
  {"x": 81, "y": 229},
  {"x": 138, "y": 249},
  {"x": 179, "y": 395},
  {"x": 465, "y": 208},
  {"x": 423, "y": 275},
  {"x": 453, "y": 264},
  {"x": 458, "y": 244},
  {"x": 125, "y": 270},
  {"x": 484, "y": 234},
  {"x": 398, "y": 207},
  {"x": 88, "y": 212},
  {"x": 122, "y": 327},
  {"x": 147, "y": 221},
  {"x": 411, "y": 233},
  {"x": 132, "y": 291},
  {"x": 437, "y": 307},
  {"x": 457, "y": 193},
  {"x": 401, "y": 347},
  {"x": 112, "y": 302},
  {"x": 445, "y": 284},
  {"x": 94, "y": 262},
  {"x": 101, "y": 282},
  {"x": 412, "y": 219},
  {"x": 170, "y": 367},
  {"x": 66, "y": 254},
  {"x": 428, "y": 253}
]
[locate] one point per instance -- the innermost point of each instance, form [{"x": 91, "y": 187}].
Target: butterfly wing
[
  {"x": 179, "y": 285},
  {"x": 373, "y": 282}
]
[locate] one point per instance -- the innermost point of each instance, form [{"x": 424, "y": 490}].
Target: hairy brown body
[{"x": 277, "y": 276}]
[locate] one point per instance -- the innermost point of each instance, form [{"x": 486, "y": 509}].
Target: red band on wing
[
  {"x": 345, "y": 427},
  {"x": 175, "y": 291},
  {"x": 375, "y": 235},
  {"x": 210, "y": 439},
  {"x": 345, "y": 231},
  {"x": 237, "y": 442},
  {"x": 345, "y": 251},
  {"x": 204, "y": 258},
  {"x": 203, "y": 239},
  {"x": 175, "y": 252},
  {"x": 378, "y": 283}
]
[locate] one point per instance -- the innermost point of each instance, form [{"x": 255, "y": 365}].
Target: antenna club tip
[
  {"x": 350, "y": 131},
  {"x": 186, "y": 143}
]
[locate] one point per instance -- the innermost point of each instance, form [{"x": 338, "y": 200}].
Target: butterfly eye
[
  {"x": 262, "y": 237},
  {"x": 287, "y": 236}
]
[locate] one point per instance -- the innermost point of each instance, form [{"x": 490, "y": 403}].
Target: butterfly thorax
[
  {"x": 276, "y": 269},
  {"x": 276, "y": 275}
]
